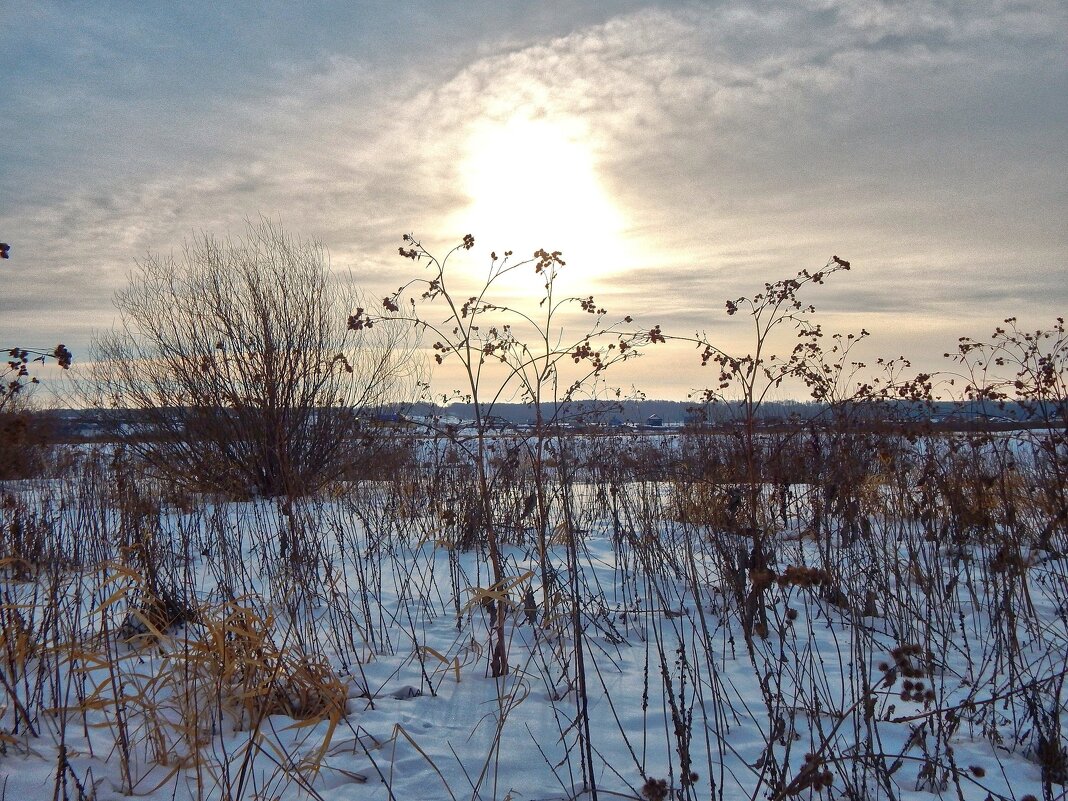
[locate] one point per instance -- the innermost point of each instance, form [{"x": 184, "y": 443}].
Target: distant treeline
[
  {"x": 73, "y": 424},
  {"x": 676, "y": 413}
]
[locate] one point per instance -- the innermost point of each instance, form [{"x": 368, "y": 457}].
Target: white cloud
[{"x": 738, "y": 143}]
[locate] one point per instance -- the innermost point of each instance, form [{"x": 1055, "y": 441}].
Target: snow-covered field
[{"x": 339, "y": 647}]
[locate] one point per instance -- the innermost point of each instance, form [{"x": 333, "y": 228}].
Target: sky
[{"x": 679, "y": 154}]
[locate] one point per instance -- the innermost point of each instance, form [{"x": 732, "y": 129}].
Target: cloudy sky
[{"x": 678, "y": 153}]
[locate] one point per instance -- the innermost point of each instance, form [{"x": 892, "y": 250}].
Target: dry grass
[{"x": 180, "y": 643}]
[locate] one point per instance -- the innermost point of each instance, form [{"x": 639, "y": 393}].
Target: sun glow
[{"x": 533, "y": 184}]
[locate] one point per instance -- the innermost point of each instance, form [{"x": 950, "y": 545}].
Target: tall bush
[{"x": 238, "y": 362}]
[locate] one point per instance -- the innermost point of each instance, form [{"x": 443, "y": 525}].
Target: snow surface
[{"x": 425, "y": 721}]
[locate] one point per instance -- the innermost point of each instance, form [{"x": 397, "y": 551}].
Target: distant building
[{"x": 654, "y": 421}]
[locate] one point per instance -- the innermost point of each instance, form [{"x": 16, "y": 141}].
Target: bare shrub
[{"x": 237, "y": 358}]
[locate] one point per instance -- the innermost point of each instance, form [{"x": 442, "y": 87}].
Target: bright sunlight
[{"x": 533, "y": 183}]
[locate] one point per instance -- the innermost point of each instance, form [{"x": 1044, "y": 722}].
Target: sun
[{"x": 533, "y": 183}]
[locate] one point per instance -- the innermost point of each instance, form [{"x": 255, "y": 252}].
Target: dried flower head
[{"x": 654, "y": 789}]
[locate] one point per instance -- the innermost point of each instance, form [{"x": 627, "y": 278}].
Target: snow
[{"x": 396, "y": 613}]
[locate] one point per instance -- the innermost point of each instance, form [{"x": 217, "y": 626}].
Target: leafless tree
[{"x": 238, "y": 360}]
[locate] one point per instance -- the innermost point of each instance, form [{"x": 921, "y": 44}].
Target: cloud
[{"x": 923, "y": 141}]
